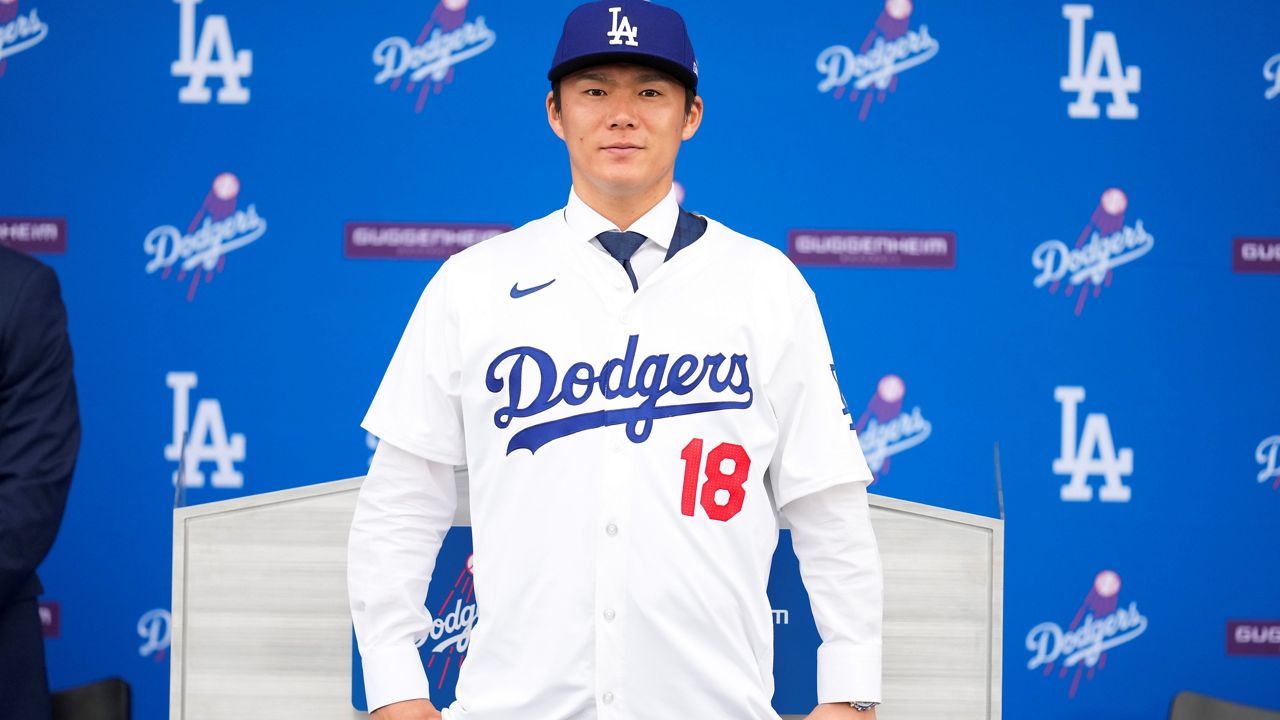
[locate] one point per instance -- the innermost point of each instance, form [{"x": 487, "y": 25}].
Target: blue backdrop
[{"x": 1159, "y": 390}]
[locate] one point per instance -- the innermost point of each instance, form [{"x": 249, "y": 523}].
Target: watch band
[{"x": 863, "y": 706}]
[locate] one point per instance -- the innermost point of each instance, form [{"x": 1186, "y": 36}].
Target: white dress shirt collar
[{"x": 658, "y": 225}]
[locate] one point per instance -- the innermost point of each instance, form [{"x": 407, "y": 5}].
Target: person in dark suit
[{"x": 39, "y": 438}]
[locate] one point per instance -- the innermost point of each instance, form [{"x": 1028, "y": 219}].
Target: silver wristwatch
[{"x": 862, "y": 706}]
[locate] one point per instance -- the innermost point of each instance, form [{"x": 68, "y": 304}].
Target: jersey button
[
  {"x": 609, "y": 614},
  {"x": 610, "y": 529},
  {"x": 607, "y": 698}
]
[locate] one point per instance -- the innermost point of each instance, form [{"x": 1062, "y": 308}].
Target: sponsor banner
[
  {"x": 873, "y": 248},
  {"x": 34, "y": 235},
  {"x": 417, "y": 241},
  {"x": 1256, "y": 255},
  {"x": 1253, "y": 637},
  {"x": 51, "y": 619}
]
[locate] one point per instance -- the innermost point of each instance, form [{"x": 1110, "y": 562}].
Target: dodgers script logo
[
  {"x": 450, "y": 634},
  {"x": 1094, "y": 455},
  {"x": 217, "y": 229},
  {"x": 18, "y": 32},
  {"x": 215, "y": 56},
  {"x": 1270, "y": 72},
  {"x": 447, "y": 39},
  {"x": 651, "y": 380},
  {"x": 153, "y": 628},
  {"x": 1267, "y": 454},
  {"x": 1105, "y": 244},
  {"x": 884, "y": 430},
  {"x": 203, "y": 439},
  {"x": 1087, "y": 79},
  {"x": 1100, "y": 625},
  {"x": 889, "y": 49}
]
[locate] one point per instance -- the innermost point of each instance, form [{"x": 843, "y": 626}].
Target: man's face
[{"x": 623, "y": 125}]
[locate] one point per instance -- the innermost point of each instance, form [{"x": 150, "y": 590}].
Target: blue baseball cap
[{"x": 625, "y": 31}]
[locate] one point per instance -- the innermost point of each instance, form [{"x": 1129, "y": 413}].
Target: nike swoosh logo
[{"x": 516, "y": 292}]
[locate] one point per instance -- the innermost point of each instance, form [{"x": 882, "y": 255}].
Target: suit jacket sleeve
[{"x": 39, "y": 424}]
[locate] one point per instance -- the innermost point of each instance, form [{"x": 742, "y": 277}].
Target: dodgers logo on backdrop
[
  {"x": 202, "y": 440},
  {"x": 218, "y": 228},
  {"x": 1104, "y": 244},
  {"x": 451, "y": 626},
  {"x": 890, "y": 49},
  {"x": 1267, "y": 455},
  {"x": 884, "y": 430},
  {"x": 447, "y": 38},
  {"x": 1093, "y": 455},
  {"x": 1101, "y": 73},
  {"x": 1271, "y": 72},
  {"x": 620, "y": 377},
  {"x": 18, "y": 31},
  {"x": 214, "y": 56},
  {"x": 153, "y": 628},
  {"x": 1099, "y": 626}
]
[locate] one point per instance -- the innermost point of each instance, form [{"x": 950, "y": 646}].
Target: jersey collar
[{"x": 659, "y": 224}]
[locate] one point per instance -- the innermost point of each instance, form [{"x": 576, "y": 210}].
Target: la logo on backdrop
[
  {"x": 19, "y": 31},
  {"x": 1093, "y": 454},
  {"x": 1105, "y": 243},
  {"x": 203, "y": 439},
  {"x": 890, "y": 48},
  {"x": 1103, "y": 72},
  {"x": 218, "y": 228},
  {"x": 447, "y": 39},
  {"x": 884, "y": 430},
  {"x": 214, "y": 55},
  {"x": 1099, "y": 626}
]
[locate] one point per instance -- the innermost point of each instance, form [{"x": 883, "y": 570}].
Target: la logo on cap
[{"x": 620, "y": 31}]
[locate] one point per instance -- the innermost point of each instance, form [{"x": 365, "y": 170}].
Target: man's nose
[{"x": 622, "y": 112}]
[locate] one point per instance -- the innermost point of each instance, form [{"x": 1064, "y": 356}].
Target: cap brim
[{"x": 680, "y": 73}]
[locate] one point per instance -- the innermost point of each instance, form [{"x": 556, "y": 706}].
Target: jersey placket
[{"x": 616, "y": 480}]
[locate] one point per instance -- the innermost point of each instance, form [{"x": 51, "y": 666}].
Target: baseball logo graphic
[
  {"x": 871, "y": 73},
  {"x": 884, "y": 430},
  {"x": 1104, "y": 244},
  {"x": 446, "y": 39}
]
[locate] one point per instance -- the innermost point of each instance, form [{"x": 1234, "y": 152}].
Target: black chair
[
  {"x": 1194, "y": 706},
  {"x": 103, "y": 700}
]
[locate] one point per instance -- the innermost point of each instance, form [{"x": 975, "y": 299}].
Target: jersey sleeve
[
  {"x": 817, "y": 446},
  {"x": 418, "y": 405}
]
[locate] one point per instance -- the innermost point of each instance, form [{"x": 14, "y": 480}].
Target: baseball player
[{"x": 637, "y": 392}]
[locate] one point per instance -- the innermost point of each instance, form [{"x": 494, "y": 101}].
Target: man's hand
[
  {"x": 408, "y": 710},
  {"x": 840, "y": 711}
]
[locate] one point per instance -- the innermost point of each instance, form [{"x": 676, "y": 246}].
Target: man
[
  {"x": 39, "y": 438},
  {"x": 618, "y": 377}
]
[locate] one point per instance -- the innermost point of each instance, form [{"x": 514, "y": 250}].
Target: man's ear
[
  {"x": 692, "y": 119},
  {"x": 553, "y": 117}
]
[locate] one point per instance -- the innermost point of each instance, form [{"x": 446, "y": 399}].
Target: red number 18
[{"x": 717, "y": 480}]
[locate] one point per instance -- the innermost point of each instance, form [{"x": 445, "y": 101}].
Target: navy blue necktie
[{"x": 622, "y": 245}]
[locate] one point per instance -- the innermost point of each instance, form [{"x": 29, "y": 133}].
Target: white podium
[{"x": 261, "y": 627}]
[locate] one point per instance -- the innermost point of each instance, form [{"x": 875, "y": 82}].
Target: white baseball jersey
[{"x": 617, "y": 444}]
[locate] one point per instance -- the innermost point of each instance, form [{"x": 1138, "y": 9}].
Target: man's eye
[
  {"x": 650, "y": 93},
  {"x": 595, "y": 92}
]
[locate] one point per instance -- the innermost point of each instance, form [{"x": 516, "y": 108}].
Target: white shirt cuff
[
  {"x": 848, "y": 672},
  {"x": 394, "y": 674}
]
